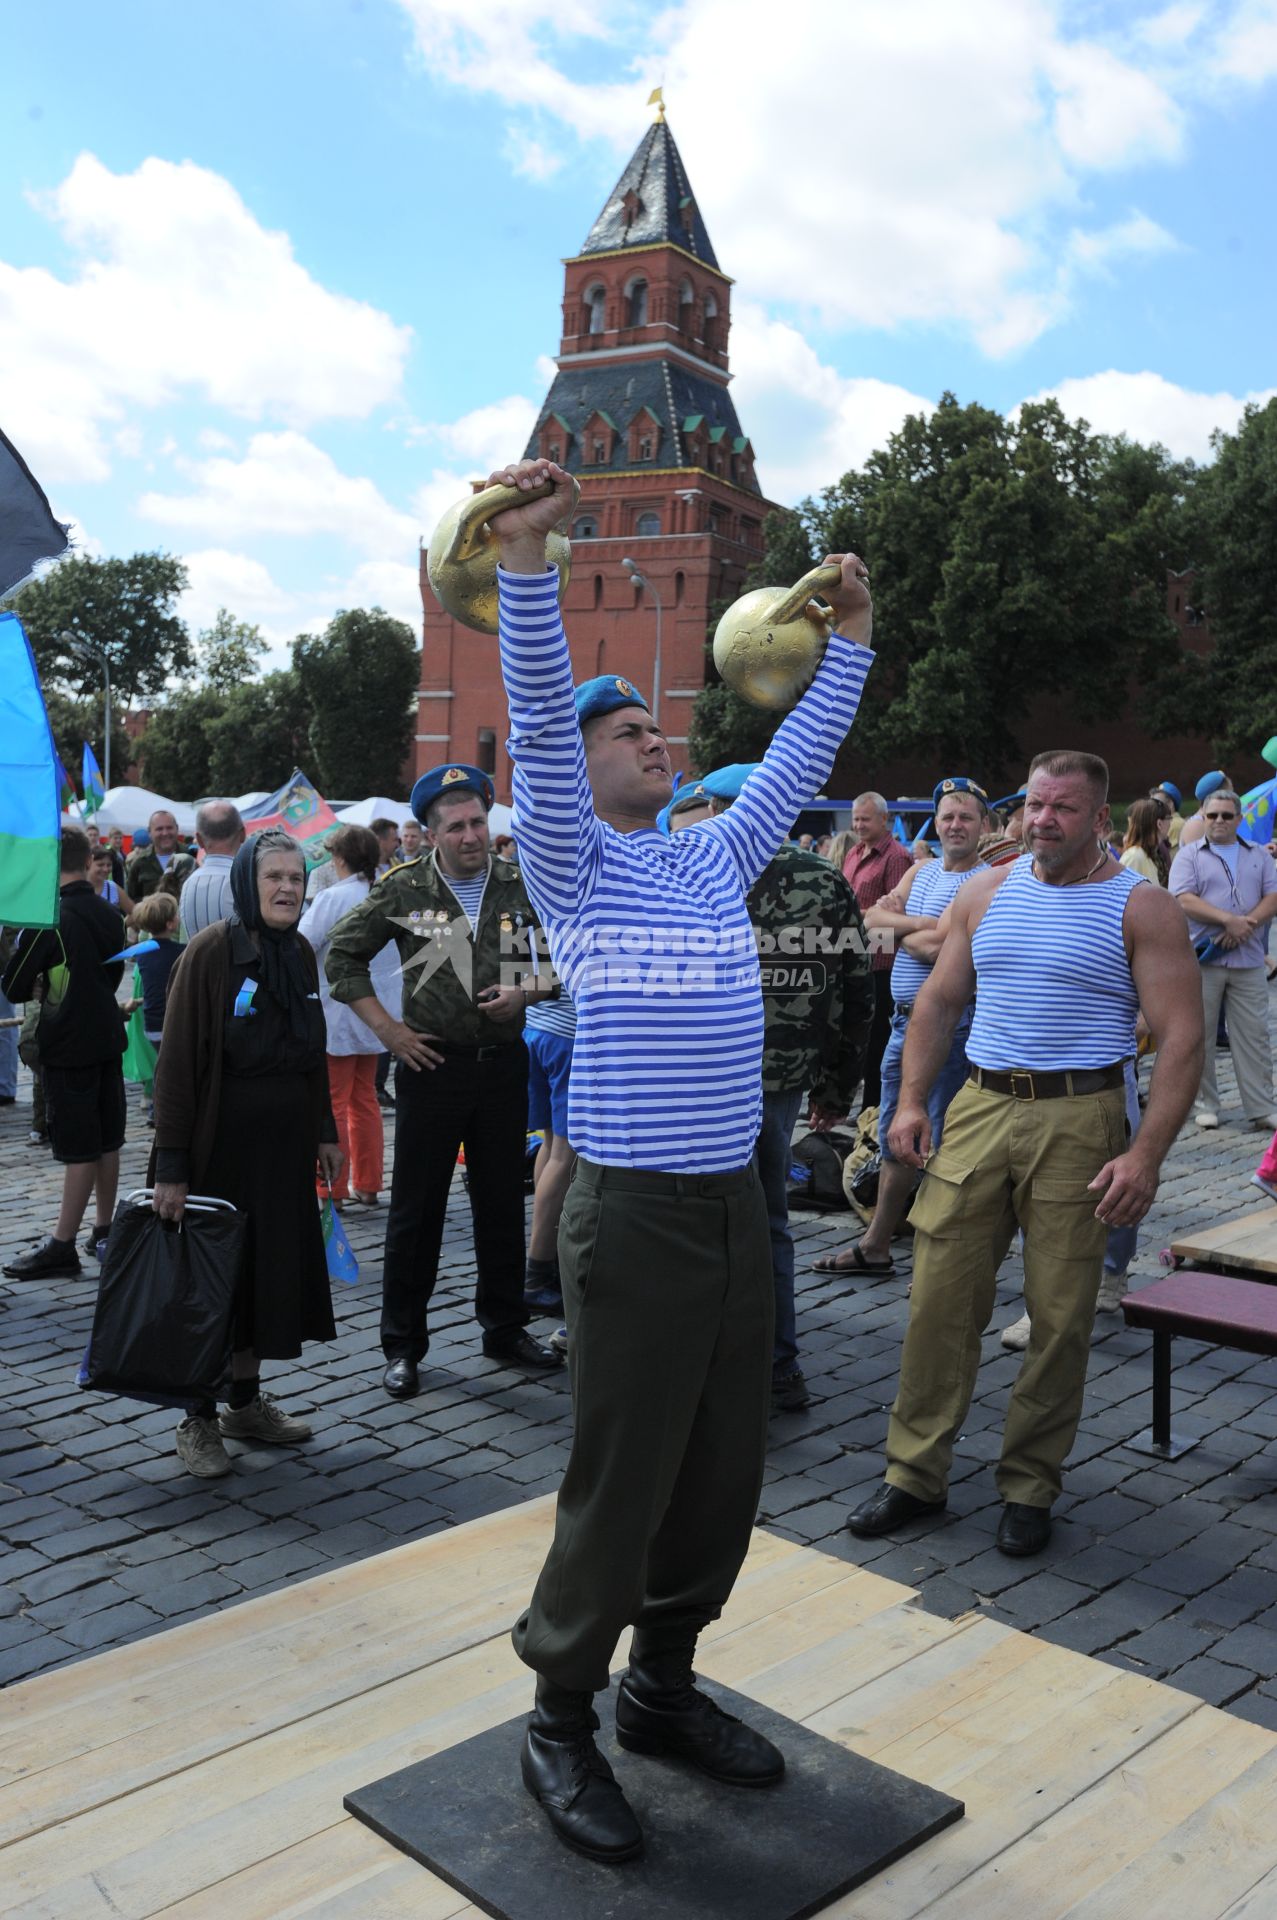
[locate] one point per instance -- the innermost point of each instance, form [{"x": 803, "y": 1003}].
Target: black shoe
[
  {"x": 888, "y": 1509},
  {"x": 8, "y": 1099},
  {"x": 660, "y": 1709},
  {"x": 1023, "y": 1530},
  {"x": 525, "y": 1352},
  {"x": 94, "y": 1239},
  {"x": 400, "y": 1379},
  {"x": 565, "y": 1772},
  {"x": 538, "y": 1299},
  {"x": 789, "y": 1391},
  {"x": 51, "y": 1260}
]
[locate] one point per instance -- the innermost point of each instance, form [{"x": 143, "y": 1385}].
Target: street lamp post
[
  {"x": 640, "y": 579},
  {"x": 86, "y": 652}
]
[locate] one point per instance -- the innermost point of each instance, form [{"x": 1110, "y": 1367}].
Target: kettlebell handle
[
  {"x": 472, "y": 522},
  {"x": 819, "y": 580}
]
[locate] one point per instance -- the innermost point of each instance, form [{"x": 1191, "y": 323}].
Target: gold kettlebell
[
  {"x": 461, "y": 560},
  {"x": 769, "y": 643}
]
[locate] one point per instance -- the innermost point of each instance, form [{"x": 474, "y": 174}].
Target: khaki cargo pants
[{"x": 1004, "y": 1163}]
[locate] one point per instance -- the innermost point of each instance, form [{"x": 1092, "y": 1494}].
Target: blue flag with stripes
[{"x": 91, "y": 778}]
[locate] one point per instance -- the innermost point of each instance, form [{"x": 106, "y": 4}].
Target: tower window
[
  {"x": 599, "y": 450},
  {"x": 486, "y": 750},
  {"x": 637, "y": 304},
  {"x": 585, "y": 527},
  {"x": 554, "y": 452},
  {"x": 647, "y": 526},
  {"x": 595, "y": 310},
  {"x": 645, "y": 446}
]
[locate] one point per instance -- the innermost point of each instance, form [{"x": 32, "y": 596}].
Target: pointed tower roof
[{"x": 652, "y": 202}]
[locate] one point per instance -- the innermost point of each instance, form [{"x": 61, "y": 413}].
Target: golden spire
[{"x": 656, "y": 98}]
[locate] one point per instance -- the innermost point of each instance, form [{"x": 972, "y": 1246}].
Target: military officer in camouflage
[
  {"x": 818, "y": 1002},
  {"x": 465, "y": 931},
  {"x": 147, "y": 866}
]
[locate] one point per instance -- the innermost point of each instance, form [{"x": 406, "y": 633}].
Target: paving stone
[
  {"x": 1250, "y": 1646},
  {"x": 1209, "y": 1680},
  {"x": 108, "y": 1627}
]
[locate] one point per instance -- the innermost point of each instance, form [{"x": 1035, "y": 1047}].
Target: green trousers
[
  {"x": 1004, "y": 1163},
  {"x": 667, "y": 1286}
]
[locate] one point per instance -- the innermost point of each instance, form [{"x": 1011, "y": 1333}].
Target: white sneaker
[
  {"x": 1016, "y": 1337},
  {"x": 1112, "y": 1289},
  {"x": 1263, "y": 1123},
  {"x": 264, "y": 1419},
  {"x": 200, "y": 1449},
  {"x": 1206, "y": 1118}
]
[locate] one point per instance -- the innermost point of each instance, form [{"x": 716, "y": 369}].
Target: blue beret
[
  {"x": 725, "y": 783},
  {"x": 141, "y": 838},
  {"x": 453, "y": 779},
  {"x": 604, "y": 694},
  {"x": 1210, "y": 783},
  {"x": 693, "y": 794},
  {"x": 1169, "y": 787},
  {"x": 958, "y": 783},
  {"x": 1012, "y": 800}
]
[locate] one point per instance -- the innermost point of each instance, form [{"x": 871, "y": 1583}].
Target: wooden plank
[
  {"x": 184, "y": 1713},
  {"x": 1213, "y": 1858},
  {"x": 1015, "y": 1737},
  {"x": 195, "y": 1828},
  {"x": 347, "y": 1869},
  {"x": 1247, "y": 1242},
  {"x": 1069, "y": 1855}
]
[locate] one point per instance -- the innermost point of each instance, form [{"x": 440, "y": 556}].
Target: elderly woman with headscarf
[{"x": 242, "y": 1111}]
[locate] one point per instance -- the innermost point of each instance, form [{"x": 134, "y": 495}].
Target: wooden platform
[
  {"x": 1247, "y": 1244},
  {"x": 199, "y": 1774}
]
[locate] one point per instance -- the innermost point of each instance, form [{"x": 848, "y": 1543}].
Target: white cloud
[
  {"x": 244, "y": 586},
  {"x": 1146, "y": 407},
  {"x": 469, "y": 449},
  {"x": 1245, "y": 47},
  {"x": 809, "y": 422},
  {"x": 388, "y": 584},
  {"x": 284, "y": 484},
  {"x": 178, "y": 292},
  {"x": 1103, "y": 246},
  {"x": 929, "y": 176},
  {"x": 530, "y": 157}
]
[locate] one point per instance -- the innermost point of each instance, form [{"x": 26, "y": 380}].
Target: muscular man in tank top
[{"x": 1062, "y": 949}]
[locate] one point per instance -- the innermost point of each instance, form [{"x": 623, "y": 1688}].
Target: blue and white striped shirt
[
  {"x": 651, "y": 934},
  {"x": 469, "y": 893},
  {"x": 1053, "y": 980},
  {"x": 552, "y": 1016},
  {"x": 930, "y": 891}
]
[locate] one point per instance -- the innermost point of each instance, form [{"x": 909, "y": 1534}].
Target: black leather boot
[
  {"x": 660, "y": 1709},
  {"x": 564, "y": 1770}
]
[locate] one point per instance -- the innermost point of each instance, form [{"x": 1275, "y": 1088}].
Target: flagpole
[{"x": 88, "y": 652}]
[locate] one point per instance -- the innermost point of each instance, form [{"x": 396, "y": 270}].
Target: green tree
[
  {"x": 124, "y": 609},
  {"x": 1231, "y": 693},
  {"x": 259, "y": 736},
  {"x": 177, "y": 746},
  {"x": 73, "y": 721},
  {"x": 725, "y": 729},
  {"x": 358, "y": 679},
  {"x": 1011, "y": 560},
  {"x": 229, "y": 652}
]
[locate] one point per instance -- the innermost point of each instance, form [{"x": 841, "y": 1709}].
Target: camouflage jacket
[
  {"x": 444, "y": 965},
  {"x": 143, "y": 872},
  {"x": 818, "y": 995}
]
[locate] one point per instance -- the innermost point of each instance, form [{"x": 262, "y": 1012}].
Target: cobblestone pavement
[{"x": 1166, "y": 1568}]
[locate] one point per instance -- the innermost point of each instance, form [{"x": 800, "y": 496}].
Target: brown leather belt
[{"x": 1022, "y": 1085}]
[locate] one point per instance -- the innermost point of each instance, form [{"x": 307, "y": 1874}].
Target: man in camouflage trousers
[
  {"x": 461, "y": 921},
  {"x": 818, "y": 1003}
]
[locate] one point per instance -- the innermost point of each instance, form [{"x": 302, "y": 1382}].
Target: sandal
[{"x": 854, "y": 1263}]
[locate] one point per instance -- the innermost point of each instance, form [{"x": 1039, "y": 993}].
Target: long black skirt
[{"x": 263, "y": 1162}]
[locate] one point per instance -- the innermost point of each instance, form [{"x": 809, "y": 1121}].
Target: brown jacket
[{"x": 188, "y": 1079}]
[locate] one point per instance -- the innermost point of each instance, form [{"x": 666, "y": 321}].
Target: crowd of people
[{"x": 636, "y": 1006}]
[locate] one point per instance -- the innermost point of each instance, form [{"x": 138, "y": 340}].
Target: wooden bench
[
  {"x": 1246, "y": 1244},
  {"x": 1217, "y": 1308}
]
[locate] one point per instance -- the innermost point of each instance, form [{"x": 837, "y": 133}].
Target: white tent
[
  {"x": 131, "y": 807},
  {"x": 363, "y": 812}
]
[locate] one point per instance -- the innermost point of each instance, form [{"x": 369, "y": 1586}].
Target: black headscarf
[{"x": 282, "y": 969}]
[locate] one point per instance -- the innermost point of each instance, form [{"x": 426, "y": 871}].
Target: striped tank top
[
  {"x": 930, "y": 893},
  {"x": 1053, "y": 982}
]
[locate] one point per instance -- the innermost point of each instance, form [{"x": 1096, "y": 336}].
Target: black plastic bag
[{"x": 163, "y": 1328}]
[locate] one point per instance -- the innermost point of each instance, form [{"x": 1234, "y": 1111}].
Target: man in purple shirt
[{"x": 1229, "y": 892}]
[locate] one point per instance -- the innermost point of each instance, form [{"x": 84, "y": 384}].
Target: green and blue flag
[
  {"x": 30, "y": 801},
  {"x": 91, "y": 779}
]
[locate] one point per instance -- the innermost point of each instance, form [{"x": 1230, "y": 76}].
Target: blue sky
[{"x": 276, "y": 279}]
